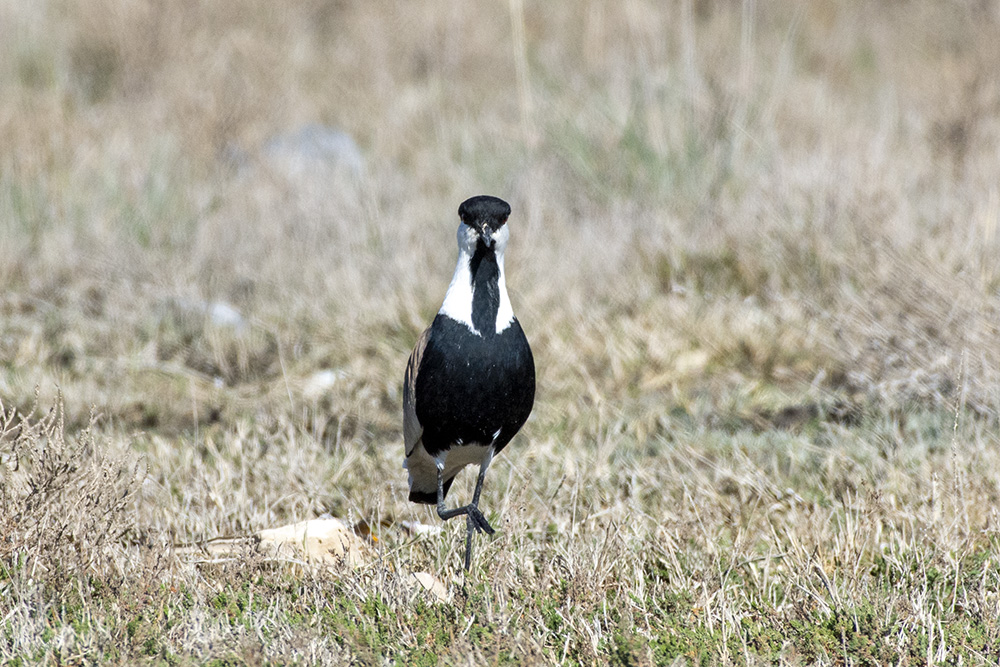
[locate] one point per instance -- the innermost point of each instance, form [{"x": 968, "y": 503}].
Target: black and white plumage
[{"x": 470, "y": 381}]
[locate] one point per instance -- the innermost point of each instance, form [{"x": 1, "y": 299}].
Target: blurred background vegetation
[{"x": 223, "y": 226}]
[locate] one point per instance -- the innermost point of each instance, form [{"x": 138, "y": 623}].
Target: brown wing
[{"x": 412, "y": 430}]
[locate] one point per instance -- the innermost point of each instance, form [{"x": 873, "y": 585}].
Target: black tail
[{"x": 430, "y": 497}]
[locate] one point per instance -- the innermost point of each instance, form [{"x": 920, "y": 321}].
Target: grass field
[{"x": 754, "y": 247}]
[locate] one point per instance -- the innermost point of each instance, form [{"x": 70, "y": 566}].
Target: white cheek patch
[
  {"x": 458, "y": 300},
  {"x": 505, "y": 313}
]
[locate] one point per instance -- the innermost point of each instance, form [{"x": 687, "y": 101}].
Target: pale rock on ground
[{"x": 325, "y": 541}]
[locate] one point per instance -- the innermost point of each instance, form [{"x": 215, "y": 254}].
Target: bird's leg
[
  {"x": 468, "y": 541},
  {"x": 444, "y": 512},
  {"x": 474, "y": 519}
]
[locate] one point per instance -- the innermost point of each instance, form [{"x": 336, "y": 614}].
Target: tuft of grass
[{"x": 68, "y": 506}]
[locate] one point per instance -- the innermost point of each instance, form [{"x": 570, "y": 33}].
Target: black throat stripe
[{"x": 485, "y": 289}]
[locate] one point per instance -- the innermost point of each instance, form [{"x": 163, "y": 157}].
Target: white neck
[
  {"x": 505, "y": 313},
  {"x": 458, "y": 299}
]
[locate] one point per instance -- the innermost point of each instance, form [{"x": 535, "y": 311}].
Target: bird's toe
[{"x": 479, "y": 522}]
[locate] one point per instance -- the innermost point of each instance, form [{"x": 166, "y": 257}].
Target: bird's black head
[{"x": 485, "y": 214}]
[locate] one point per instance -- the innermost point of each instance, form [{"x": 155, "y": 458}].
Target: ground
[{"x": 753, "y": 246}]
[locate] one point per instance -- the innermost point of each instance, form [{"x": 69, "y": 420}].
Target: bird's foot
[{"x": 478, "y": 522}]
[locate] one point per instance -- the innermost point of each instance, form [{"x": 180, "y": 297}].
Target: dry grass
[{"x": 753, "y": 247}]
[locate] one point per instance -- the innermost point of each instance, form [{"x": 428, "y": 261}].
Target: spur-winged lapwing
[{"x": 470, "y": 381}]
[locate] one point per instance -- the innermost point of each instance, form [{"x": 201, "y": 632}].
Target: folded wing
[{"x": 412, "y": 430}]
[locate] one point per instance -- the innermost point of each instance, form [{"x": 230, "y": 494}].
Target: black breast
[{"x": 469, "y": 387}]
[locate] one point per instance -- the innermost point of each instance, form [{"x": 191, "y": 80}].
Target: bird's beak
[{"x": 486, "y": 234}]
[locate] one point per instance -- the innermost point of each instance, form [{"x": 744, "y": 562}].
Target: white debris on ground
[
  {"x": 326, "y": 541},
  {"x": 320, "y": 382},
  {"x": 301, "y": 153},
  {"x": 417, "y": 528},
  {"x": 322, "y": 541},
  {"x": 218, "y": 313},
  {"x": 222, "y": 314},
  {"x": 432, "y": 585}
]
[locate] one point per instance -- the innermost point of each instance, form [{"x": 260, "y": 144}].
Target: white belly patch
[{"x": 423, "y": 467}]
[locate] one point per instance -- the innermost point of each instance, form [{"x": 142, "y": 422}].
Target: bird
[{"x": 469, "y": 384}]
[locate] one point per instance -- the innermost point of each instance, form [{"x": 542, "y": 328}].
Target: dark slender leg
[
  {"x": 468, "y": 541},
  {"x": 474, "y": 519}
]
